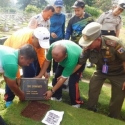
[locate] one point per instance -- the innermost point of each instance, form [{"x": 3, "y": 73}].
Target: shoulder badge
[
  {"x": 111, "y": 43},
  {"x": 119, "y": 17},
  {"x": 121, "y": 50},
  {"x": 36, "y": 17},
  {"x": 107, "y": 12}
]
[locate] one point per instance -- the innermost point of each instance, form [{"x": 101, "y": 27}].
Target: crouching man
[
  {"x": 66, "y": 53},
  {"x": 10, "y": 60}
]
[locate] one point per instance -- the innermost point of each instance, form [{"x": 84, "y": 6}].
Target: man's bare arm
[
  {"x": 33, "y": 24},
  {"x": 13, "y": 86},
  {"x": 43, "y": 69}
]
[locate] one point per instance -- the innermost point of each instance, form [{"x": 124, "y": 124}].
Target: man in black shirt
[{"x": 77, "y": 22}]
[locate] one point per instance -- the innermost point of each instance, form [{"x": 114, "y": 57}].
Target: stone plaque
[{"x": 34, "y": 88}]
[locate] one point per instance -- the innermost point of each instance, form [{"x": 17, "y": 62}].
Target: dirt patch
[{"x": 35, "y": 110}]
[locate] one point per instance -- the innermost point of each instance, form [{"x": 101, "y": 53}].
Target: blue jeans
[{"x": 28, "y": 72}]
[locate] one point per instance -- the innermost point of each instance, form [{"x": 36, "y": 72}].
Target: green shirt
[
  {"x": 8, "y": 62},
  {"x": 73, "y": 53}
]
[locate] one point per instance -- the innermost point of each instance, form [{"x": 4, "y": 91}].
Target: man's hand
[
  {"x": 53, "y": 35},
  {"x": 46, "y": 75},
  {"x": 123, "y": 86},
  {"x": 48, "y": 95},
  {"x": 13, "y": 86},
  {"x": 22, "y": 96}
]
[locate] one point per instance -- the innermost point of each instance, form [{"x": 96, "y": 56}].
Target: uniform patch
[
  {"x": 121, "y": 50},
  {"x": 111, "y": 43}
]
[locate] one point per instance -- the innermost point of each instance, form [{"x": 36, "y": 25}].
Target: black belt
[{"x": 108, "y": 32}]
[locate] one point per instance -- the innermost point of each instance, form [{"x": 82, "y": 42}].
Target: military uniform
[
  {"x": 110, "y": 23},
  {"x": 109, "y": 60},
  {"x": 38, "y": 21}
]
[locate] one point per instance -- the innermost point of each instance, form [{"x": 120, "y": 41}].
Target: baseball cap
[
  {"x": 58, "y": 3},
  {"x": 121, "y": 4},
  {"x": 78, "y": 3},
  {"x": 43, "y": 36},
  {"x": 91, "y": 32}
]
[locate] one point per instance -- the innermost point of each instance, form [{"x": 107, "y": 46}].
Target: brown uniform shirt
[{"x": 112, "y": 49}]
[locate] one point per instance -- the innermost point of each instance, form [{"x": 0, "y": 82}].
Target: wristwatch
[{"x": 52, "y": 91}]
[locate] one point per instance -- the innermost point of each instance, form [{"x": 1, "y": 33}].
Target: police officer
[
  {"x": 111, "y": 20},
  {"x": 42, "y": 19},
  {"x": 108, "y": 53}
]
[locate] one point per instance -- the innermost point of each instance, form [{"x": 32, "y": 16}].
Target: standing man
[
  {"x": 66, "y": 53},
  {"x": 108, "y": 53},
  {"x": 111, "y": 20},
  {"x": 77, "y": 23},
  {"x": 57, "y": 28},
  {"x": 10, "y": 60},
  {"x": 42, "y": 19},
  {"x": 39, "y": 39}
]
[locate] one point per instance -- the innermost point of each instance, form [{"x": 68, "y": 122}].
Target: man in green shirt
[
  {"x": 10, "y": 60},
  {"x": 66, "y": 53}
]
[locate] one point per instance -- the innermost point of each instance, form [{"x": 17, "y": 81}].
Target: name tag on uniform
[{"x": 105, "y": 69}]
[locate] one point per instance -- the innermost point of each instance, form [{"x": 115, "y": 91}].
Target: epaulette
[
  {"x": 110, "y": 40},
  {"x": 119, "y": 17},
  {"x": 111, "y": 43},
  {"x": 107, "y": 12},
  {"x": 36, "y": 17}
]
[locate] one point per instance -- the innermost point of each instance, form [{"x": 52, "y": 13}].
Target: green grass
[{"x": 72, "y": 116}]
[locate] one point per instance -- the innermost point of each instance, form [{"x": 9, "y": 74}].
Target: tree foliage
[
  {"x": 104, "y": 5},
  {"x": 68, "y": 4},
  {"x": 100, "y": 4},
  {"x": 23, "y": 3},
  {"x": 38, "y": 3},
  {"x": 4, "y": 3},
  {"x": 93, "y": 11},
  {"x": 31, "y": 9},
  {"x": 89, "y": 2}
]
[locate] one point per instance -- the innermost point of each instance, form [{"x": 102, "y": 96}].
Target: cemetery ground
[{"x": 72, "y": 116}]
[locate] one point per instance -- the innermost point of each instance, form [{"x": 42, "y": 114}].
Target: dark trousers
[
  {"x": 73, "y": 85},
  {"x": 28, "y": 72},
  {"x": 55, "y": 64},
  {"x": 117, "y": 94}
]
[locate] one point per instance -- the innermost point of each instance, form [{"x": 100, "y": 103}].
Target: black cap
[
  {"x": 78, "y": 3},
  {"x": 121, "y": 4}
]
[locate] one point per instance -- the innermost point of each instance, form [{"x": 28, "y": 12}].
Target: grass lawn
[{"x": 72, "y": 116}]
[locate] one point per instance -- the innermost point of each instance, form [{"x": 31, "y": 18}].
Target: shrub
[
  {"x": 93, "y": 11},
  {"x": 32, "y": 9}
]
